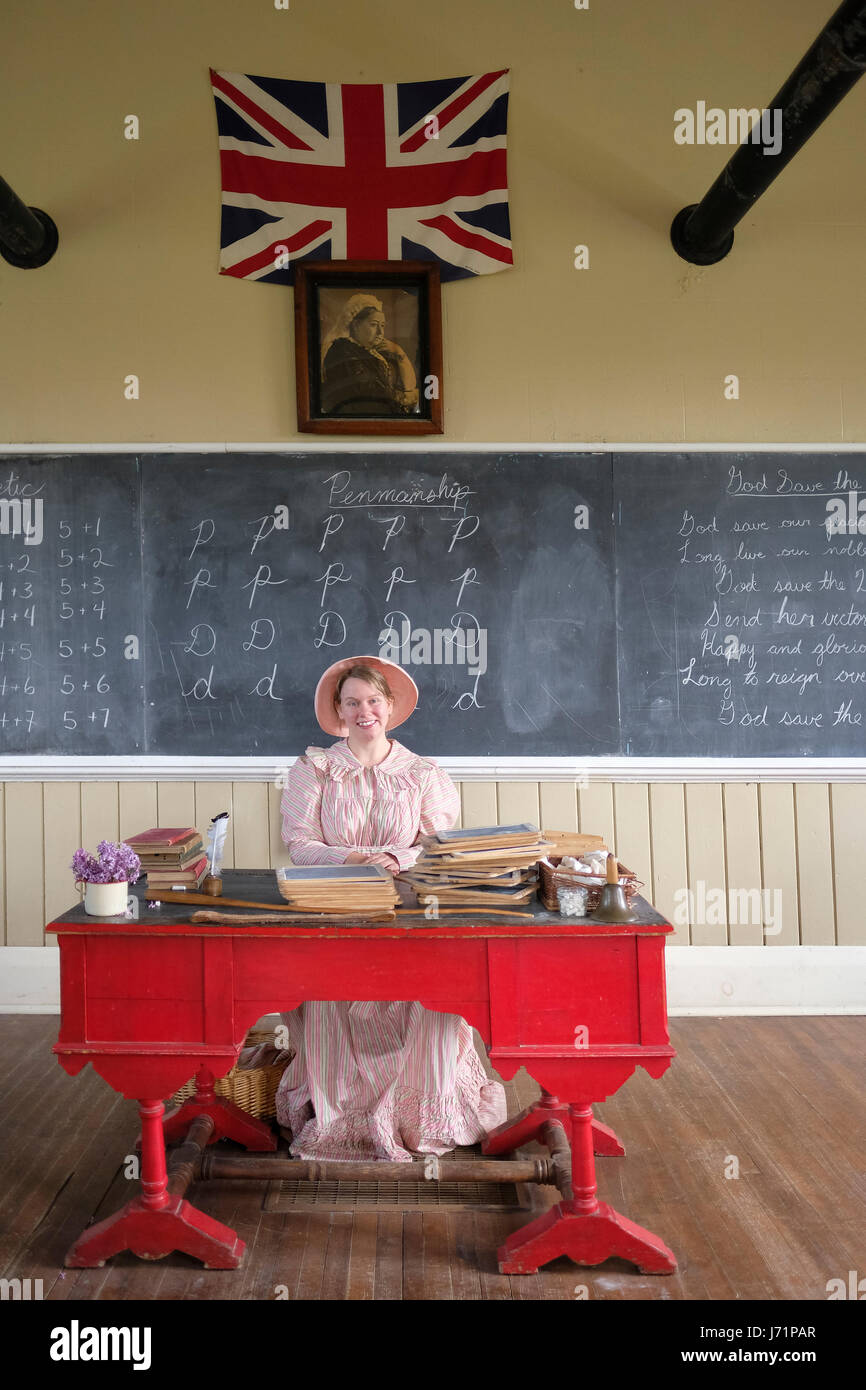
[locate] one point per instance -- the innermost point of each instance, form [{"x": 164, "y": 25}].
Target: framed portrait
[{"x": 368, "y": 347}]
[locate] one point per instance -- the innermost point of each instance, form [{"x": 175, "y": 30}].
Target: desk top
[{"x": 260, "y": 885}]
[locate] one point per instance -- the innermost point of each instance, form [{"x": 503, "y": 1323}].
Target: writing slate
[{"x": 742, "y": 617}]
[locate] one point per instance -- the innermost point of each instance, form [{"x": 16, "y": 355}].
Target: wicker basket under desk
[{"x": 253, "y": 1090}]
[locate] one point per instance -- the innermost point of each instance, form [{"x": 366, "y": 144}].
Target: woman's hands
[{"x": 386, "y": 860}]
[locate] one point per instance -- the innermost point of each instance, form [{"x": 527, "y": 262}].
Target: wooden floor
[{"x": 780, "y": 1099}]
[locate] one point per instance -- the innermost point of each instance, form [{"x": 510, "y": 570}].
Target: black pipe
[
  {"x": 28, "y": 236},
  {"x": 703, "y": 232}
]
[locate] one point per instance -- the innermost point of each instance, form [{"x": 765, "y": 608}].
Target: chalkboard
[
  {"x": 237, "y": 579},
  {"x": 261, "y": 571},
  {"x": 742, "y": 613},
  {"x": 70, "y": 594},
  {"x": 550, "y": 604}
]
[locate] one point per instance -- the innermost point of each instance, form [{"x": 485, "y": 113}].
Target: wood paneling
[
  {"x": 25, "y": 897},
  {"x": 849, "y": 834},
  {"x": 99, "y": 813},
  {"x": 558, "y": 805},
  {"x": 743, "y": 864},
  {"x": 176, "y": 804},
  {"x": 779, "y": 860},
  {"x": 669, "y": 868},
  {"x": 252, "y": 831},
  {"x": 705, "y": 848},
  {"x": 595, "y": 813},
  {"x": 804, "y": 840},
  {"x": 632, "y": 824},
  {"x": 479, "y": 804},
  {"x": 517, "y": 802},
  {"x": 815, "y": 863},
  {"x": 62, "y": 825},
  {"x": 137, "y": 802}
]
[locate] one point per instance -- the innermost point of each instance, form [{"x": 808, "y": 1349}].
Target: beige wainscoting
[{"x": 807, "y": 840}]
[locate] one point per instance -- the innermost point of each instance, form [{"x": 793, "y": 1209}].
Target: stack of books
[
  {"x": 171, "y": 858},
  {"x": 490, "y": 866},
  {"x": 362, "y": 890}
]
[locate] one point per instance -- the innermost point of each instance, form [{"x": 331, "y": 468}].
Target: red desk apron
[{"x": 578, "y": 1003}]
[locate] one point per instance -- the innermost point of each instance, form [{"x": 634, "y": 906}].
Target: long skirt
[{"x": 383, "y": 1080}]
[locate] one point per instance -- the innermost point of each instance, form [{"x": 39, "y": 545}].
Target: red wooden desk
[{"x": 579, "y": 1003}]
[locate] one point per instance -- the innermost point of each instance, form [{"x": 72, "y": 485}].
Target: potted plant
[{"x": 106, "y": 877}]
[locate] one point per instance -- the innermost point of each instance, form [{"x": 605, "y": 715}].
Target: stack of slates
[
  {"x": 352, "y": 889},
  {"x": 489, "y": 866},
  {"x": 171, "y": 857},
  {"x": 570, "y": 842}
]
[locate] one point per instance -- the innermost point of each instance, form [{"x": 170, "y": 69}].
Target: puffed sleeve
[
  {"x": 300, "y": 807},
  {"x": 440, "y": 802},
  {"x": 440, "y": 807}
]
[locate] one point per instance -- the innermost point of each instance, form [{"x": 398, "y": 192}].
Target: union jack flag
[{"x": 362, "y": 171}]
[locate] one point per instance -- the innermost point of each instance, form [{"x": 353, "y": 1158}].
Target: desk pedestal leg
[
  {"x": 528, "y": 1125},
  {"x": 155, "y": 1223},
  {"x": 229, "y": 1121},
  {"x": 581, "y": 1227}
]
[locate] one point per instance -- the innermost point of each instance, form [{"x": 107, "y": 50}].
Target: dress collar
[
  {"x": 340, "y": 760},
  {"x": 397, "y": 761}
]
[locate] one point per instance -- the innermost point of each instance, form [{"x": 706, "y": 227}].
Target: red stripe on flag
[
  {"x": 475, "y": 240},
  {"x": 279, "y": 132},
  {"x": 269, "y": 254},
  {"x": 414, "y": 142},
  {"x": 368, "y": 185}
]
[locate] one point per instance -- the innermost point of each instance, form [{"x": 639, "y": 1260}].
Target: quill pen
[{"x": 217, "y": 838}]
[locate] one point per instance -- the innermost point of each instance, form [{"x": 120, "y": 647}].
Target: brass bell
[{"x": 613, "y": 906}]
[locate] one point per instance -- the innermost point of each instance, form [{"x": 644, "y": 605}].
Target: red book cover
[{"x": 159, "y": 836}]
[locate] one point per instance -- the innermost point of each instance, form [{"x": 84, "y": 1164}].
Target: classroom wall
[
  {"x": 634, "y": 348},
  {"x": 804, "y": 840}
]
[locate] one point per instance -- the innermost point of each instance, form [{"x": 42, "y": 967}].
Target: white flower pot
[{"x": 105, "y": 899}]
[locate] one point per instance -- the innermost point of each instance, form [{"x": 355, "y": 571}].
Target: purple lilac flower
[{"x": 113, "y": 863}]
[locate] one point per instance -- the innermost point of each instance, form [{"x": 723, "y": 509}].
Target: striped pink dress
[{"x": 376, "y": 1080}]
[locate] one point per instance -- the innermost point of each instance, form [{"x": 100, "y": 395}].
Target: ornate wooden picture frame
[{"x": 368, "y": 347}]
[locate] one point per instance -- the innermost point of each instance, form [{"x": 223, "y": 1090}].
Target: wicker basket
[
  {"x": 551, "y": 877},
  {"x": 253, "y": 1090}
]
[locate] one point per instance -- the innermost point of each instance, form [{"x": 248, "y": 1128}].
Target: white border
[
  {"x": 721, "y": 981},
  {"x": 580, "y": 771}
]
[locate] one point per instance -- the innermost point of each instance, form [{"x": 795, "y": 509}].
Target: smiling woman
[{"x": 375, "y": 1079}]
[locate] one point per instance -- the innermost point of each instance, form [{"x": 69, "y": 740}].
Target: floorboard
[{"x": 746, "y": 1157}]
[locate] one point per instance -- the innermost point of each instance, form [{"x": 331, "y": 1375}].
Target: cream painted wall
[
  {"x": 799, "y": 844},
  {"x": 635, "y": 348}
]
